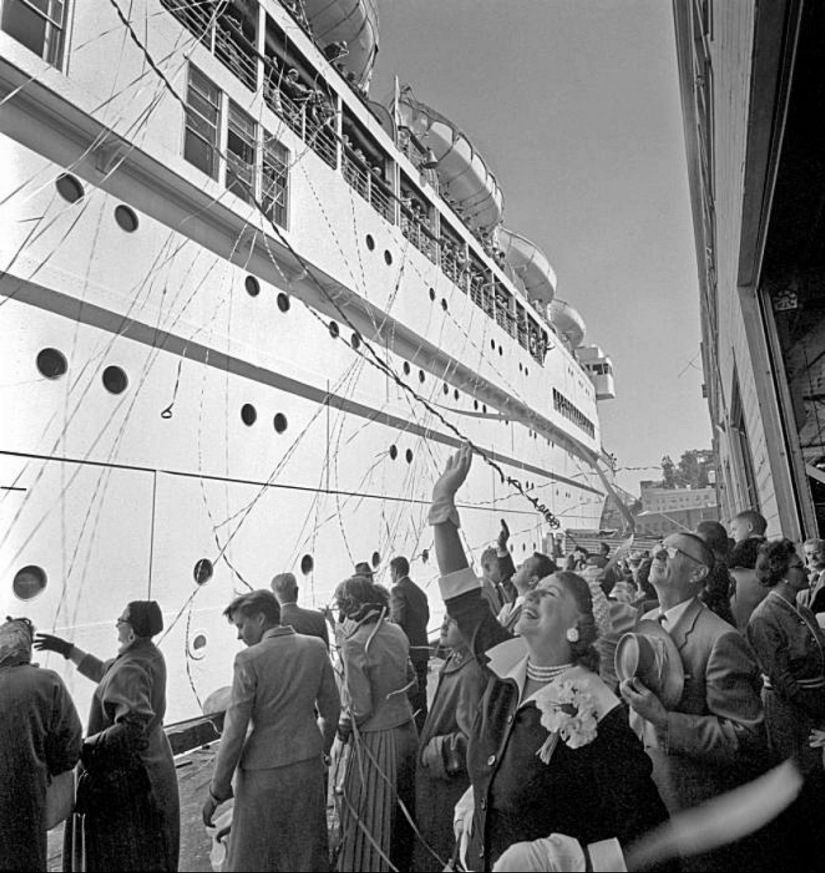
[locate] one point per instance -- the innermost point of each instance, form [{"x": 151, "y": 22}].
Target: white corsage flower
[{"x": 568, "y": 712}]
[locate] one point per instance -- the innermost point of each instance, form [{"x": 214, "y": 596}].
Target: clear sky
[{"x": 575, "y": 105}]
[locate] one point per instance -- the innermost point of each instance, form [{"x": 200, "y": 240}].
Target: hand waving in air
[{"x": 458, "y": 465}]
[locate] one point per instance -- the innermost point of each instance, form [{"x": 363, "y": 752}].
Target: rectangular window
[
  {"x": 275, "y": 191},
  {"x": 240, "y": 154},
  {"x": 203, "y": 123},
  {"x": 37, "y": 24}
]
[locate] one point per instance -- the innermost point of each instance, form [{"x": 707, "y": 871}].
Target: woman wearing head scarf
[
  {"x": 550, "y": 751},
  {"x": 377, "y": 727},
  {"x": 128, "y": 813},
  {"x": 40, "y": 736}
]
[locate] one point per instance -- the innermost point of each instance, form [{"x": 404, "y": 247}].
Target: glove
[
  {"x": 49, "y": 643},
  {"x": 443, "y": 508},
  {"x": 503, "y": 536}
]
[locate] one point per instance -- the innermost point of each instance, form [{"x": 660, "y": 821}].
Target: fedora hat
[
  {"x": 362, "y": 568},
  {"x": 650, "y": 655}
]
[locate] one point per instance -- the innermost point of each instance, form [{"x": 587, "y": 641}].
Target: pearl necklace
[{"x": 545, "y": 674}]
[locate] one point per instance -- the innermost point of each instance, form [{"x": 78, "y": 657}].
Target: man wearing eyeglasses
[{"x": 713, "y": 739}]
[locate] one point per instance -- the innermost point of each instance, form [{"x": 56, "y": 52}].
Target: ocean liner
[{"x": 246, "y": 313}]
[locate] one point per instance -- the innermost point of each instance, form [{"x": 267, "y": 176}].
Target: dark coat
[
  {"x": 599, "y": 791},
  {"x": 409, "y": 609},
  {"x": 441, "y": 776},
  {"x": 308, "y": 622},
  {"x": 40, "y": 735},
  {"x": 128, "y": 790}
]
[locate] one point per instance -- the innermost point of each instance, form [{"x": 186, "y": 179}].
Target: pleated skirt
[
  {"x": 279, "y": 819},
  {"x": 380, "y": 773}
]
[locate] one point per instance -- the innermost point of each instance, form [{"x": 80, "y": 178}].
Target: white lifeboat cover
[
  {"x": 530, "y": 264},
  {"x": 352, "y": 21},
  {"x": 462, "y": 173},
  {"x": 567, "y": 321}
]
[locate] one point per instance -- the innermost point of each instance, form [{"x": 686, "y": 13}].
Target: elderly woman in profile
[
  {"x": 40, "y": 736},
  {"x": 377, "y": 727},
  {"x": 127, "y": 799},
  {"x": 550, "y": 751}
]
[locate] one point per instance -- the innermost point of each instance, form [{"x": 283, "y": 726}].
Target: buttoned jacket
[
  {"x": 814, "y": 597},
  {"x": 714, "y": 738},
  {"x": 409, "y": 610},
  {"x": 277, "y": 685},
  {"x": 599, "y": 791}
]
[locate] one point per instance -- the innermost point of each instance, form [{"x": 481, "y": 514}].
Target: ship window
[
  {"x": 275, "y": 193},
  {"x": 69, "y": 188},
  {"x": 51, "y": 363},
  {"x": 355, "y": 341},
  {"x": 446, "y": 388},
  {"x": 29, "y": 582},
  {"x": 307, "y": 565},
  {"x": 376, "y": 559},
  {"x": 126, "y": 218},
  {"x": 248, "y": 414},
  {"x": 203, "y": 123},
  {"x": 370, "y": 242},
  {"x": 444, "y": 304},
  {"x": 387, "y": 257},
  {"x": 252, "y": 285},
  {"x": 37, "y": 24},
  {"x": 406, "y": 368},
  {"x": 409, "y": 456},
  {"x": 334, "y": 330},
  {"x": 279, "y": 422},
  {"x": 240, "y": 154},
  {"x": 432, "y": 294},
  {"x": 456, "y": 394},
  {"x": 283, "y": 302},
  {"x": 197, "y": 645},
  {"x": 421, "y": 376},
  {"x": 393, "y": 452},
  {"x": 203, "y": 572},
  {"x": 115, "y": 380}
]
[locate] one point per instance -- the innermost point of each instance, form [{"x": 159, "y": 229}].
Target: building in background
[
  {"x": 753, "y": 96},
  {"x": 669, "y": 510}
]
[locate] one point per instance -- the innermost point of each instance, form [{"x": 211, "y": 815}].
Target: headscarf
[{"x": 15, "y": 642}]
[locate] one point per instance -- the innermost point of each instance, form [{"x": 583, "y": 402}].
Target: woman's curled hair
[
  {"x": 357, "y": 596},
  {"x": 773, "y": 561},
  {"x": 583, "y": 651}
]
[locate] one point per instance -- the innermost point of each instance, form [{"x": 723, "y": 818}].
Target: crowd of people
[{"x": 578, "y": 709}]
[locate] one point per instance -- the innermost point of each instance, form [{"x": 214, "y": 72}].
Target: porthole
[
  {"x": 493, "y": 345},
  {"x": 421, "y": 376},
  {"x": 446, "y": 388},
  {"x": 409, "y": 456},
  {"x": 500, "y": 350},
  {"x": 370, "y": 242},
  {"x": 475, "y": 405},
  {"x": 406, "y": 368},
  {"x": 248, "y": 414},
  {"x": 115, "y": 380},
  {"x": 526, "y": 373},
  {"x": 69, "y": 188},
  {"x": 425, "y": 556},
  {"x": 252, "y": 285},
  {"x": 393, "y": 452},
  {"x": 279, "y": 422},
  {"x": 484, "y": 408},
  {"x": 520, "y": 368},
  {"x": 432, "y": 294},
  {"x": 355, "y": 341},
  {"x": 126, "y": 218},
  {"x": 524, "y": 547},
  {"x": 29, "y": 582},
  {"x": 387, "y": 257},
  {"x": 203, "y": 572},
  {"x": 307, "y": 565},
  {"x": 444, "y": 303},
  {"x": 376, "y": 559},
  {"x": 283, "y": 301},
  {"x": 51, "y": 363},
  {"x": 456, "y": 395},
  {"x": 197, "y": 645},
  {"x": 334, "y": 330}
]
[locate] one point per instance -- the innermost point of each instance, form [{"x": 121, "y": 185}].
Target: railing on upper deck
[
  {"x": 418, "y": 233},
  {"x": 453, "y": 267}
]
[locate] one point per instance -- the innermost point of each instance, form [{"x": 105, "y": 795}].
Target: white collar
[{"x": 673, "y": 614}]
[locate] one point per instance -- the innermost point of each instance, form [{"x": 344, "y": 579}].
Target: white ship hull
[{"x": 118, "y": 496}]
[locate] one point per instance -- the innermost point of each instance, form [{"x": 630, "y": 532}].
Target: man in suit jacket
[
  {"x": 409, "y": 609},
  {"x": 714, "y": 738},
  {"x": 304, "y": 621},
  {"x": 281, "y": 680},
  {"x": 814, "y": 596}
]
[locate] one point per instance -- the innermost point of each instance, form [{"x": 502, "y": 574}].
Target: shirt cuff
[
  {"x": 459, "y": 582},
  {"x": 606, "y": 857}
]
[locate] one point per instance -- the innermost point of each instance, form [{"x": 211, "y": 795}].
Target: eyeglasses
[{"x": 672, "y": 551}]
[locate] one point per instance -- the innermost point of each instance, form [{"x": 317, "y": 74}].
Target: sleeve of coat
[
  {"x": 465, "y": 603},
  {"x": 65, "y": 734},
  {"x": 357, "y": 694},
  {"x": 128, "y": 704},
  {"x": 398, "y": 606},
  {"x": 328, "y": 702},
  {"x": 770, "y": 644},
  {"x": 733, "y": 729},
  {"x": 236, "y": 722}
]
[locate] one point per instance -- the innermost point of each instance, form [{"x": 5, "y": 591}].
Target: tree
[
  {"x": 668, "y": 472},
  {"x": 691, "y": 471}
]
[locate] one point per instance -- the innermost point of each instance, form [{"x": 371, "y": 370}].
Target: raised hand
[
  {"x": 49, "y": 643},
  {"x": 448, "y": 483},
  {"x": 503, "y": 536}
]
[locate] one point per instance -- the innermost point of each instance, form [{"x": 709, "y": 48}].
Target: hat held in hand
[{"x": 650, "y": 655}]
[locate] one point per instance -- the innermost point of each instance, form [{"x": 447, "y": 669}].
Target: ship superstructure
[{"x": 246, "y": 314}]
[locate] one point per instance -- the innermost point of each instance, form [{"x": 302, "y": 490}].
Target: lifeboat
[
  {"x": 600, "y": 369},
  {"x": 354, "y": 22},
  {"x": 530, "y": 264},
  {"x": 464, "y": 177},
  {"x": 567, "y": 321}
]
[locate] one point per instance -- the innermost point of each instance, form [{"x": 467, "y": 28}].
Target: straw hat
[{"x": 650, "y": 655}]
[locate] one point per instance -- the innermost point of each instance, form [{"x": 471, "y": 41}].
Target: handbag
[{"x": 59, "y": 798}]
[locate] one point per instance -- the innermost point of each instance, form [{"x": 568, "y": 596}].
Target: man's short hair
[
  {"x": 816, "y": 542},
  {"x": 714, "y": 534},
  {"x": 755, "y": 520},
  {"x": 743, "y": 555},
  {"x": 285, "y": 587},
  {"x": 401, "y": 566},
  {"x": 544, "y": 566},
  {"x": 254, "y": 602},
  {"x": 705, "y": 552}
]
